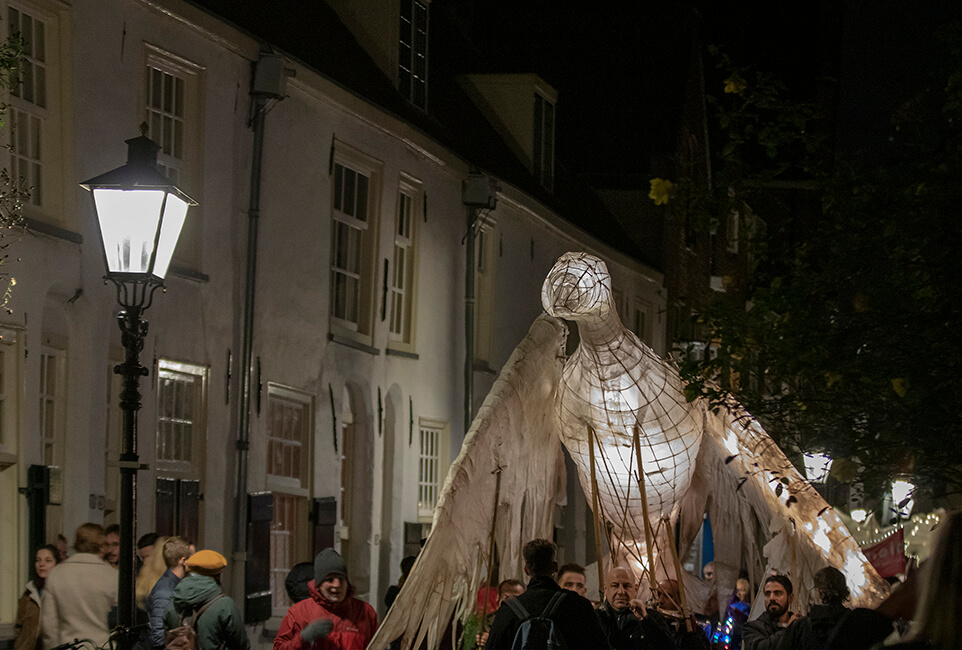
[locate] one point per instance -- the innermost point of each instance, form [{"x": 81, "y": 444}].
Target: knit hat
[
  {"x": 326, "y": 563},
  {"x": 297, "y": 579},
  {"x": 206, "y": 563}
]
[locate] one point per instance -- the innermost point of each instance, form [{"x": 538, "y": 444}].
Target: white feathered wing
[
  {"x": 766, "y": 516},
  {"x": 515, "y": 429}
]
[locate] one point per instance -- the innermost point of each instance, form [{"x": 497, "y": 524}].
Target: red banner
[{"x": 888, "y": 556}]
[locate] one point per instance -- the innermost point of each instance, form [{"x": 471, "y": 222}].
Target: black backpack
[{"x": 537, "y": 632}]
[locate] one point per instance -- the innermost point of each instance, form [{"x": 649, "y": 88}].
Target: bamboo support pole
[
  {"x": 649, "y": 534},
  {"x": 678, "y": 574},
  {"x": 494, "y": 526},
  {"x": 596, "y": 509}
]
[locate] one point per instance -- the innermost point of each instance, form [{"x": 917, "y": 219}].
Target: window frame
[
  {"x": 410, "y": 36},
  {"x": 11, "y": 373},
  {"x": 404, "y": 340},
  {"x": 278, "y": 483},
  {"x": 646, "y": 308},
  {"x": 443, "y": 459},
  {"x": 732, "y": 227},
  {"x": 543, "y": 140},
  {"x": 362, "y": 331},
  {"x": 55, "y": 152},
  {"x": 189, "y": 251},
  {"x": 195, "y": 467}
]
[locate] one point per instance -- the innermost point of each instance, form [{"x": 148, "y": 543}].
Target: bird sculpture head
[{"x": 578, "y": 287}]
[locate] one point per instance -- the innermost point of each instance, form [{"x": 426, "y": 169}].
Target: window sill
[
  {"x": 484, "y": 368},
  {"x": 188, "y": 274},
  {"x": 351, "y": 343},
  {"x": 7, "y": 460},
  {"x": 36, "y": 226},
  {"x": 394, "y": 352}
]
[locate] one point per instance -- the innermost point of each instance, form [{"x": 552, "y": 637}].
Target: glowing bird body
[{"x": 612, "y": 384}]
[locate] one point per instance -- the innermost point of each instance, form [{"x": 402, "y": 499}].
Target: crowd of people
[{"x": 74, "y": 596}]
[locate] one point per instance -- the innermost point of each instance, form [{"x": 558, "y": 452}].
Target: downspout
[
  {"x": 469, "y": 302},
  {"x": 267, "y": 83}
]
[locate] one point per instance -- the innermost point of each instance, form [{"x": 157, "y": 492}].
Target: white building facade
[{"x": 358, "y": 339}]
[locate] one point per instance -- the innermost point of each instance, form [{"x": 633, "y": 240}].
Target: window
[
  {"x": 289, "y": 419},
  {"x": 413, "y": 52},
  {"x": 35, "y": 137},
  {"x": 402, "y": 268},
  {"x": 485, "y": 249},
  {"x": 289, "y": 424},
  {"x": 52, "y": 404},
  {"x": 181, "y": 439},
  {"x": 731, "y": 231},
  {"x": 11, "y": 352},
  {"x": 172, "y": 115},
  {"x": 543, "y": 163},
  {"x": 165, "y": 118},
  {"x": 180, "y": 427},
  {"x": 355, "y": 188},
  {"x": 53, "y": 386},
  {"x": 432, "y": 459},
  {"x": 640, "y": 322}
]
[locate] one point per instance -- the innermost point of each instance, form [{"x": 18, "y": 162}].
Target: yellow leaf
[
  {"x": 901, "y": 386},
  {"x": 660, "y": 191},
  {"x": 734, "y": 85}
]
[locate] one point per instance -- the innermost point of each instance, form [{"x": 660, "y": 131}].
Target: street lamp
[{"x": 140, "y": 213}]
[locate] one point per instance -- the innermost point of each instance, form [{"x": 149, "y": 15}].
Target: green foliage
[
  {"x": 13, "y": 191},
  {"x": 849, "y": 340}
]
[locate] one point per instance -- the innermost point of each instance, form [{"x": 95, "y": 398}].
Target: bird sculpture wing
[
  {"x": 515, "y": 431},
  {"x": 766, "y": 515}
]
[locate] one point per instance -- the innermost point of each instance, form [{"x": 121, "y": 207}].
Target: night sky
[{"x": 620, "y": 67}]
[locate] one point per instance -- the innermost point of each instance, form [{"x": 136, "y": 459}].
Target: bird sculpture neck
[{"x": 602, "y": 333}]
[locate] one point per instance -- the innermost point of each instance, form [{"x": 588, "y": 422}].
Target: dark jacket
[
  {"x": 156, "y": 605},
  {"x": 625, "y": 631},
  {"x": 763, "y": 633},
  {"x": 220, "y": 624},
  {"x": 861, "y": 629},
  {"x": 813, "y": 631},
  {"x": 574, "y": 618}
]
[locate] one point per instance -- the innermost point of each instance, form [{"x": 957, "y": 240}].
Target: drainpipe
[
  {"x": 469, "y": 302},
  {"x": 478, "y": 192},
  {"x": 269, "y": 76}
]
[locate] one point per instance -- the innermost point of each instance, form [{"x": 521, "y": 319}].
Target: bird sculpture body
[
  {"x": 504, "y": 486},
  {"x": 611, "y": 385}
]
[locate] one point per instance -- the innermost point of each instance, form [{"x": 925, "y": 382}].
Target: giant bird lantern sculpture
[{"x": 616, "y": 407}]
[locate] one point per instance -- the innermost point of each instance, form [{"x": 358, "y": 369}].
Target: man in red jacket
[{"x": 331, "y": 619}]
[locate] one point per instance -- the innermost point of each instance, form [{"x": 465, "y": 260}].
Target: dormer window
[
  {"x": 543, "y": 164},
  {"x": 413, "y": 52}
]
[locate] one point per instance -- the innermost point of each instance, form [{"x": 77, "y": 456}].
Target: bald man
[{"x": 626, "y": 622}]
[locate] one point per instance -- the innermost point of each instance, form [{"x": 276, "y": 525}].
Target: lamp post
[{"x": 140, "y": 214}]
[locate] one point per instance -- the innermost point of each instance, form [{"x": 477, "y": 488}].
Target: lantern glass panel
[
  {"x": 128, "y": 225},
  {"x": 174, "y": 215}
]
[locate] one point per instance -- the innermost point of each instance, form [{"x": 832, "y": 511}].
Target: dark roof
[{"x": 313, "y": 34}]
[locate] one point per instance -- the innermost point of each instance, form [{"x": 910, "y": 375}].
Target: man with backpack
[
  {"x": 545, "y": 616},
  {"x": 199, "y": 616}
]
